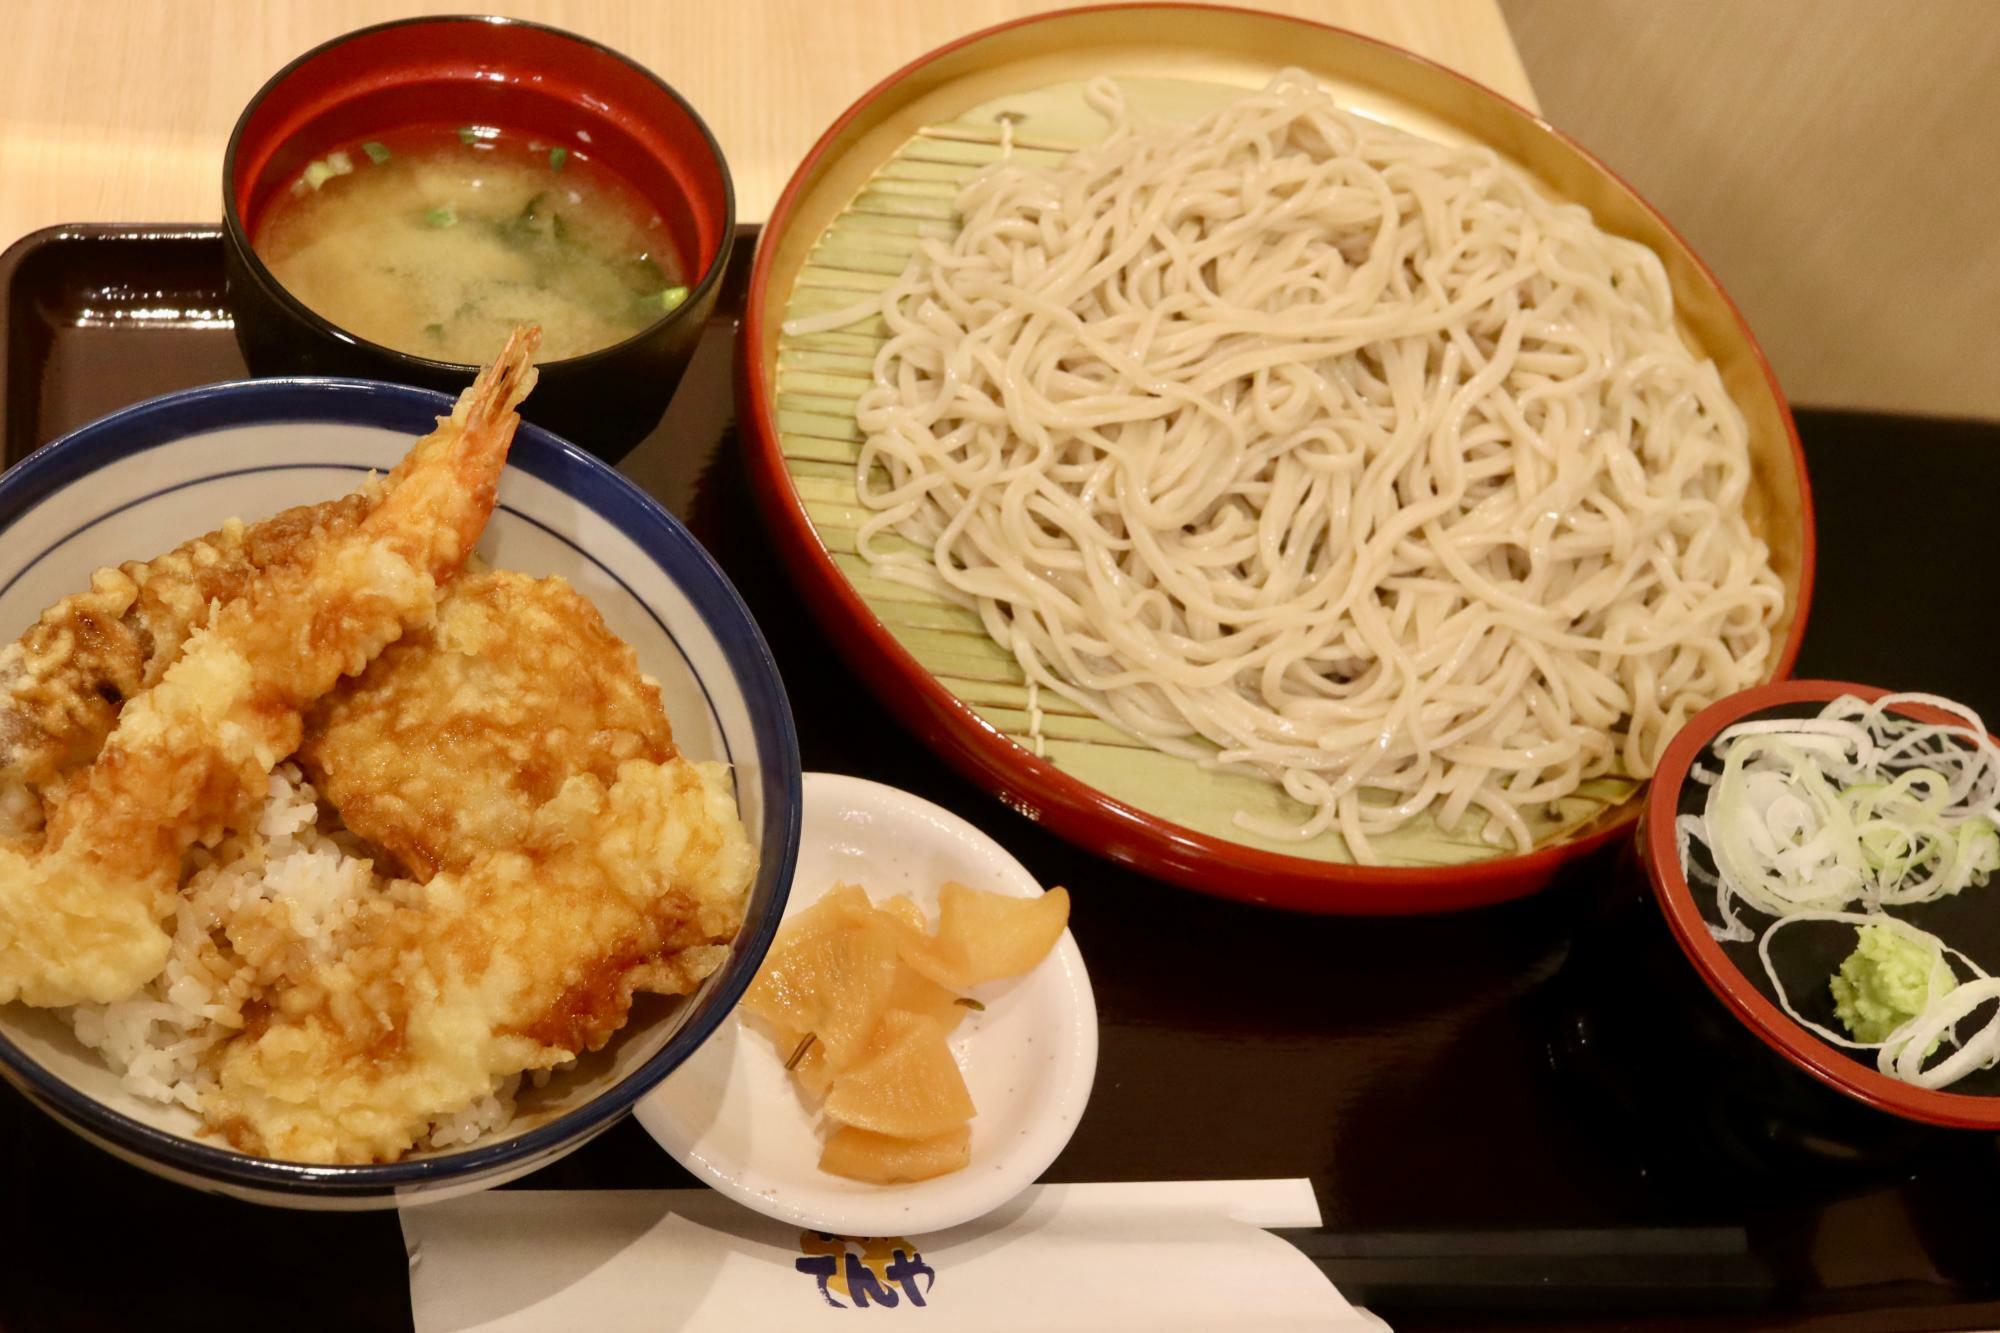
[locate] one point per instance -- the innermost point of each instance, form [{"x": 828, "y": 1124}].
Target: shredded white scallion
[{"x": 1858, "y": 805}]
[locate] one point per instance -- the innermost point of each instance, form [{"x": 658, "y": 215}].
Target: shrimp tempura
[
  {"x": 64, "y": 680},
  {"x": 80, "y": 909}
]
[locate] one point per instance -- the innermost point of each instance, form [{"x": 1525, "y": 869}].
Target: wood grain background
[
  {"x": 1836, "y": 162},
  {"x": 118, "y": 110}
]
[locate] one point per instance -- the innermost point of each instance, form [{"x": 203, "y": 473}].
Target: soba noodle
[{"x": 1304, "y": 447}]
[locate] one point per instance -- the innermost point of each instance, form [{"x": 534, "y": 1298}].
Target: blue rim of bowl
[{"x": 550, "y": 458}]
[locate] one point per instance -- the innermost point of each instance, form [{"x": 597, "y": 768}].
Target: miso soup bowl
[{"x": 517, "y": 76}]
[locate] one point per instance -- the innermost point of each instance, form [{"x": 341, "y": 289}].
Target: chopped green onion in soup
[{"x": 440, "y": 252}]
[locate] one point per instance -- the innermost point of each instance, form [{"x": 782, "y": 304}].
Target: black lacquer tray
[{"x": 1468, "y": 1176}]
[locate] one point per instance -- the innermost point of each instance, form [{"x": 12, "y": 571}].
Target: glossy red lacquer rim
[
  {"x": 1041, "y": 791},
  {"x": 1776, "y": 1028}
]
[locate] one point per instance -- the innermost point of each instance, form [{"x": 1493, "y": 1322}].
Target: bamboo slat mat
[{"x": 821, "y": 377}]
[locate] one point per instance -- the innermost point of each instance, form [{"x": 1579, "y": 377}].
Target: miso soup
[{"x": 438, "y": 242}]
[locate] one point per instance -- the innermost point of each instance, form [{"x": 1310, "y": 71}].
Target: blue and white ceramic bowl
[{"x": 141, "y": 481}]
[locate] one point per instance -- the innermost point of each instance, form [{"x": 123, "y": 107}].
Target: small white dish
[{"x": 732, "y": 1115}]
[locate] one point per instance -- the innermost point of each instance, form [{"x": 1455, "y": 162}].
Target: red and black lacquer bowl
[
  {"x": 1679, "y": 1036},
  {"x": 521, "y": 77},
  {"x": 1733, "y": 973}
]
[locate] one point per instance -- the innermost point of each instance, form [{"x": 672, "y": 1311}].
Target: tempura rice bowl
[{"x": 142, "y": 480}]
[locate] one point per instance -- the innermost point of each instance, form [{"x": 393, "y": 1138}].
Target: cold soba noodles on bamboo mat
[{"x": 1301, "y": 446}]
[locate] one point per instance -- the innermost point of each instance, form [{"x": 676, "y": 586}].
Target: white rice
[
  {"x": 256, "y": 910},
  {"x": 478, "y": 1120}
]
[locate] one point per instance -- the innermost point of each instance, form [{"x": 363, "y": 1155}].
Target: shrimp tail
[{"x": 441, "y": 494}]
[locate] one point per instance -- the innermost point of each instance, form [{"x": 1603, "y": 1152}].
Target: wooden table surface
[{"x": 118, "y": 110}]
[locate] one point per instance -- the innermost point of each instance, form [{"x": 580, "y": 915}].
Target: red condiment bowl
[
  {"x": 1745, "y": 997},
  {"x": 521, "y": 77}
]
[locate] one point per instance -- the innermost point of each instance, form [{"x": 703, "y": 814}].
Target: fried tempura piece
[
  {"x": 80, "y": 912},
  {"x": 523, "y": 958},
  {"x": 516, "y": 759},
  {"x": 450, "y": 742},
  {"x": 62, "y": 682}
]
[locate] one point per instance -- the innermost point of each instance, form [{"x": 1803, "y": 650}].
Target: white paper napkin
[{"x": 1157, "y": 1256}]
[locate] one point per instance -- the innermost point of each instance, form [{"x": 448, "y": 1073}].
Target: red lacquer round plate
[{"x": 887, "y": 169}]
